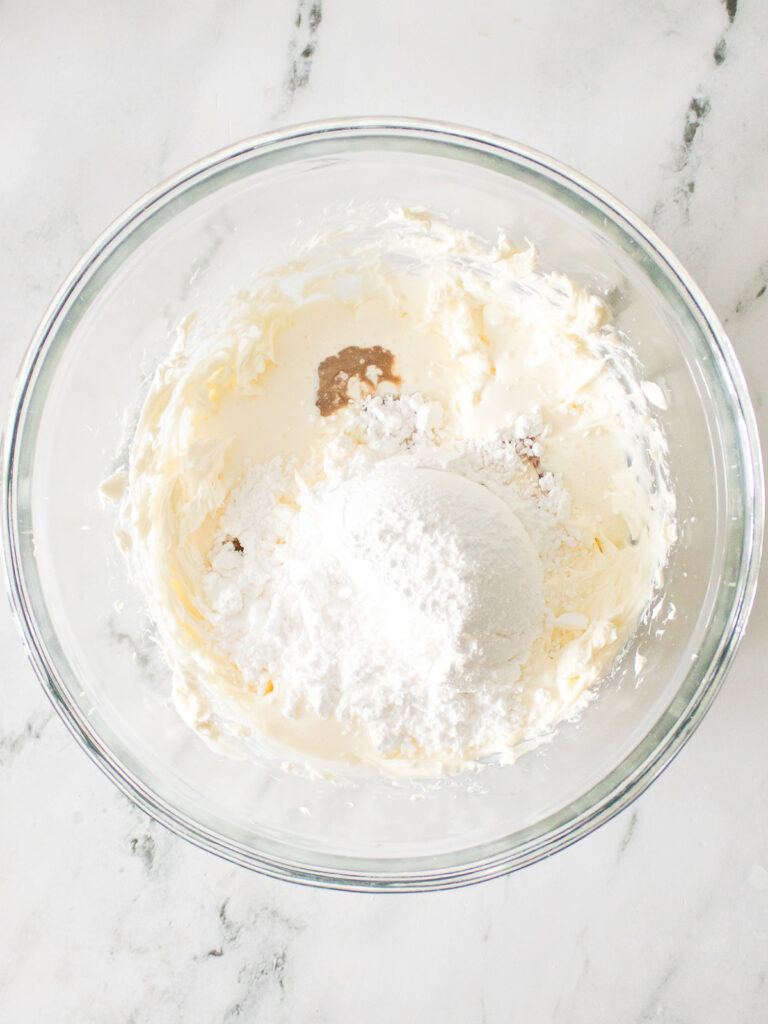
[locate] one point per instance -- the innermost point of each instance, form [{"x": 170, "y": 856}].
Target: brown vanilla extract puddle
[{"x": 370, "y": 366}]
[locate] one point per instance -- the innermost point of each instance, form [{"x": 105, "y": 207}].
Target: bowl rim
[{"x": 467, "y": 865}]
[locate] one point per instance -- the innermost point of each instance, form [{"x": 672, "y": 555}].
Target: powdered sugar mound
[
  {"x": 402, "y": 592},
  {"x": 382, "y": 427}
]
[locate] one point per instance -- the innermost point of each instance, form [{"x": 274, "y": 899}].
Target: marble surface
[{"x": 660, "y": 916}]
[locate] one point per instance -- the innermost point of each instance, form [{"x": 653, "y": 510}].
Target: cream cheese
[{"x": 514, "y": 379}]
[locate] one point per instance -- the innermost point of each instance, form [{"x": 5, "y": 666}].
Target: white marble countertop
[{"x": 662, "y": 915}]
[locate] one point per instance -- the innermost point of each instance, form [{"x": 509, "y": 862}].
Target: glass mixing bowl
[{"x": 189, "y": 243}]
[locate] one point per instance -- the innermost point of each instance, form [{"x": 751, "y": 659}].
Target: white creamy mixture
[{"x": 402, "y": 502}]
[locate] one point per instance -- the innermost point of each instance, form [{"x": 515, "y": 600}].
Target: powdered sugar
[{"x": 400, "y": 593}]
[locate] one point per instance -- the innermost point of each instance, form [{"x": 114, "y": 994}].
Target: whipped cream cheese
[{"x": 401, "y": 502}]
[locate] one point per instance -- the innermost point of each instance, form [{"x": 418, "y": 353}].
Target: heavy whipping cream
[{"x": 402, "y": 502}]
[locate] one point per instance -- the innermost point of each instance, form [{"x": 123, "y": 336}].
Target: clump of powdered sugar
[{"x": 402, "y": 591}]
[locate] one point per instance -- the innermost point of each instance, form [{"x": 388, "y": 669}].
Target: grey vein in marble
[
  {"x": 695, "y": 116},
  {"x": 563, "y": 1007},
  {"x": 753, "y": 292},
  {"x": 144, "y": 848},
  {"x": 654, "y": 1008},
  {"x": 301, "y": 49},
  {"x": 265, "y": 971},
  {"x": 697, "y": 112},
  {"x": 720, "y": 52},
  {"x": 12, "y": 745},
  {"x": 626, "y": 839}
]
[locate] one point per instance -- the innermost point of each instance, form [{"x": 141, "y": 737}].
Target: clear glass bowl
[{"x": 190, "y": 242}]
